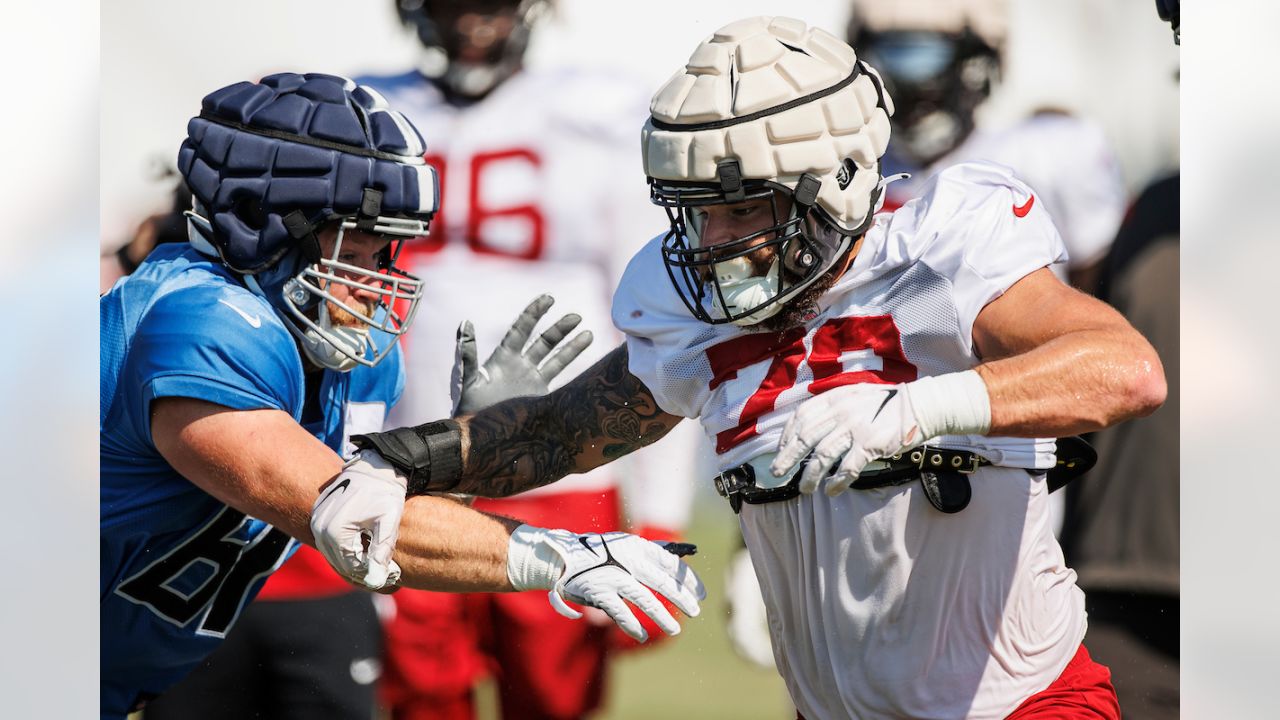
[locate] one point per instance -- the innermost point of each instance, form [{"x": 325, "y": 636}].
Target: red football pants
[
  {"x": 1082, "y": 692},
  {"x": 546, "y": 666}
]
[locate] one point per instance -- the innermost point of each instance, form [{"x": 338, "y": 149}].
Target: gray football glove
[{"x": 514, "y": 370}]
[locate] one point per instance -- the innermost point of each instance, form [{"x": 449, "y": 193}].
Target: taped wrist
[
  {"x": 429, "y": 456},
  {"x": 532, "y": 563},
  {"x": 952, "y": 404}
]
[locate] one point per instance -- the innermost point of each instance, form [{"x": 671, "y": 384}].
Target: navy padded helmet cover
[{"x": 311, "y": 143}]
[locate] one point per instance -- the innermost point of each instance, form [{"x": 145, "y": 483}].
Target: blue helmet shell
[{"x": 268, "y": 162}]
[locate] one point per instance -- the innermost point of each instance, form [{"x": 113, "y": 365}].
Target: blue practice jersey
[{"x": 178, "y": 566}]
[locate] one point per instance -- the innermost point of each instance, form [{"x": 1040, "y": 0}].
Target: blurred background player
[
  {"x": 1121, "y": 528},
  {"x": 941, "y": 59},
  {"x": 541, "y": 190},
  {"x": 1121, "y": 532},
  {"x": 167, "y": 226}
]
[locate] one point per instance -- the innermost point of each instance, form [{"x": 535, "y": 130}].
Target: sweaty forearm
[
  {"x": 448, "y": 547},
  {"x": 1076, "y": 383},
  {"x": 525, "y": 443}
]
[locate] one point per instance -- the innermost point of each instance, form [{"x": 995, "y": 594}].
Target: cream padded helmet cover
[{"x": 756, "y": 64}]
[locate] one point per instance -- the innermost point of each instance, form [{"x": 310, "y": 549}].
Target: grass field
[{"x": 697, "y": 675}]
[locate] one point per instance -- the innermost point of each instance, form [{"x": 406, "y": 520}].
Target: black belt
[{"x": 942, "y": 473}]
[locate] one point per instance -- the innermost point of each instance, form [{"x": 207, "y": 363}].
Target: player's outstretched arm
[
  {"x": 528, "y": 442},
  {"x": 261, "y": 462},
  {"x": 236, "y": 456},
  {"x": 600, "y": 416},
  {"x": 264, "y": 464}
]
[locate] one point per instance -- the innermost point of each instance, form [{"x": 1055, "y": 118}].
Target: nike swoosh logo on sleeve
[
  {"x": 1026, "y": 207},
  {"x": 255, "y": 321}
]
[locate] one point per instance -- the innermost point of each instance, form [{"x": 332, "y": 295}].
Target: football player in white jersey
[
  {"x": 941, "y": 59},
  {"x": 541, "y": 191},
  {"x": 883, "y": 391}
]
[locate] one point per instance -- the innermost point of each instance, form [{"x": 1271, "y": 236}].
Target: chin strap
[
  {"x": 198, "y": 231},
  {"x": 883, "y": 186}
]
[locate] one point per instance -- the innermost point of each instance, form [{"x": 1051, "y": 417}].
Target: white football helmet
[{"x": 765, "y": 107}]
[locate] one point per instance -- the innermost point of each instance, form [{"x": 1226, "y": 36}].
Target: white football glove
[
  {"x": 604, "y": 571},
  {"x": 856, "y": 424},
  {"x": 356, "y": 521},
  {"x": 512, "y": 370},
  {"x": 748, "y": 624}
]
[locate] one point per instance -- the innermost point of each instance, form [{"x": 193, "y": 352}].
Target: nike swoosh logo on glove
[
  {"x": 608, "y": 558},
  {"x": 888, "y": 396},
  {"x": 340, "y": 486}
]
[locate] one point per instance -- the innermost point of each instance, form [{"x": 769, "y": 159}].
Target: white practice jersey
[
  {"x": 1070, "y": 165},
  {"x": 879, "y": 605},
  {"x": 542, "y": 192}
]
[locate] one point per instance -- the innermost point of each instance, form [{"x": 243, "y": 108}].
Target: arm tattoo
[{"x": 524, "y": 443}]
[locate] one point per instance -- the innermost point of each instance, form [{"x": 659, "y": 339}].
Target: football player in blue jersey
[{"x": 235, "y": 368}]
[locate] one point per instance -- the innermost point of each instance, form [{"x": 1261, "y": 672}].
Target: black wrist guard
[{"x": 430, "y": 455}]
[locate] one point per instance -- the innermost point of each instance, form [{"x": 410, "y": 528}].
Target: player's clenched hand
[
  {"x": 356, "y": 521},
  {"x": 513, "y": 370},
  {"x": 850, "y": 425},
  {"x": 606, "y": 571}
]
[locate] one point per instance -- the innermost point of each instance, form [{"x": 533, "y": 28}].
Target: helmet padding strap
[
  {"x": 730, "y": 174},
  {"x": 301, "y": 229},
  {"x": 370, "y": 209},
  {"x": 806, "y": 192}
]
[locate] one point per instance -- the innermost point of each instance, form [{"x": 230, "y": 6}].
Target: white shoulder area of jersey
[
  {"x": 966, "y": 195},
  {"x": 948, "y": 202},
  {"x": 968, "y": 213},
  {"x": 1049, "y": 136},
  {"x": 645, "y": 303},
  {"x": 401, "y": 88},
  {"x": 1050, "y": 126},
  {"x": 591, "y": 100}
]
